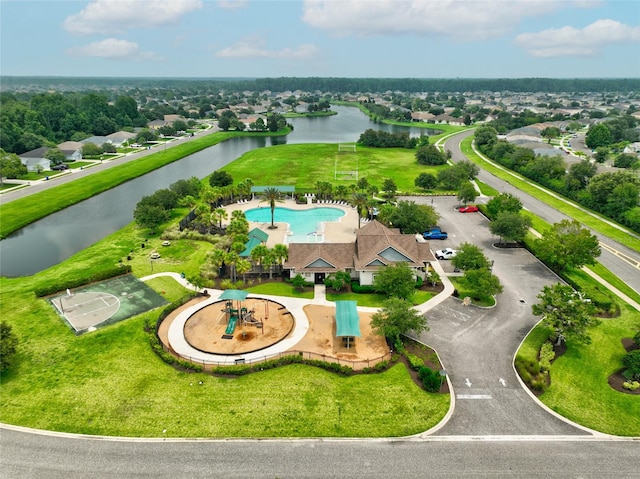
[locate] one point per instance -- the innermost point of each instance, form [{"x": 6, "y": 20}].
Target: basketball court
[{"x": 98, "y": 304}]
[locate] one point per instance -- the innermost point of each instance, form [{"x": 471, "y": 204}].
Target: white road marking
[
  {"x": 473, "y": 396},
  {"x": 467, "y": 382},
  {"x": 503, "y": 382}
]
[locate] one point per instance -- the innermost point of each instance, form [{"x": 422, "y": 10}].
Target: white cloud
[
  {"x": 461, "y": 20},
  {"x": 116, "y": 16},
  {"x": 254, "y": 47},
  {"x": 570, "y": 41},
  {"x": 114, "y": 49}
]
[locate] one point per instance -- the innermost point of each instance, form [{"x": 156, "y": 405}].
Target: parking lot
[{"x": 477, "y": 345}]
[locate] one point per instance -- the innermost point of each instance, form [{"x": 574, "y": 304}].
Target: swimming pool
[{"x": 305, "y": 226}]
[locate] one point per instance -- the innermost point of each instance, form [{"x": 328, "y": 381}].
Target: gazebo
[{"x": 347, "y": 321}]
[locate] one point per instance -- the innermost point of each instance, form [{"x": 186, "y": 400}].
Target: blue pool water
[{"x": 305, "y": 226}]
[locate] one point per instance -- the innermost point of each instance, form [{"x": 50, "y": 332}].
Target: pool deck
[{"x": 341, "y": 231}]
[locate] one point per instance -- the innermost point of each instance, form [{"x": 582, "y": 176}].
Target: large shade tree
[
  {"x": 567, "y": 312},
  {"x": 398, "y": 317},
  {"x": 10, "y": 166},
  {"x": 395, "y": 281},
  {"x": 568, "y": 245},
  {"x": 510, "y": 226},
  {"x": 409, "y": 216}
]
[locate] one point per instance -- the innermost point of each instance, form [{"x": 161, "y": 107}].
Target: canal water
[{"x": 58, "y": 236}]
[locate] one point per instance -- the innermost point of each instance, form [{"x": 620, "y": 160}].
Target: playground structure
[
  {"x": 246, "y": 316},
  {"x": 236, "y": 327}
]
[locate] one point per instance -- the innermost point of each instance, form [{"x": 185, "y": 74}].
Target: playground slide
[{"x": 232, "y": 324}]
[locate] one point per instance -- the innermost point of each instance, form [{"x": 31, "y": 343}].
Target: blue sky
[{"x": 334, "y": 38}]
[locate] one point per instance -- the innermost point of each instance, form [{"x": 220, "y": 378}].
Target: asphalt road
[
  {"x": 27, "y": 455},
  {"x": 613, "y": 255}
]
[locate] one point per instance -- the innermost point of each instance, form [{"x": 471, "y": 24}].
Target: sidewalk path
[{"x": 295, "y": 305}]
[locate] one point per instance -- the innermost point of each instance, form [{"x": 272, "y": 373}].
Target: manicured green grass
[
  {"x": 303, "y": 165},
  {"x": 110, "y": 382},
  {"x": 24, "y": 211},
  {"x": 597, "y": 222},
  {"x": 579, "y": 388},
  {"x": 76, "y": 165},
  {"x": 368, "y": 300},
  {"x": 486, "y": 189},
  {"x": 170, "y": 289},
  {"x": 8, "y": 186},
  {"x": 281, "y": 289}
]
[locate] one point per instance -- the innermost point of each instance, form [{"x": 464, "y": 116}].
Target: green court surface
[{"x": 99, "y": 304}]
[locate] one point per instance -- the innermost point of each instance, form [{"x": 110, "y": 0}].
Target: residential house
[
  {"x": 35, "y": 161},
  {"x": 155, "y": 124},
  {"x": 168, "y": 119},
  {"x": 72, "y": 150},
  {"x": 375, "y": 246},
  {"x": 447, "y": 120},
  {"x": 96, "y": 140},
  {"x": 423, "y": 116},
  {"x": 119, "y": 137}
]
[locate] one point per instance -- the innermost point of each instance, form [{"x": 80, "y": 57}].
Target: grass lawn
[
  {"x": 110, "y": 382},
  {"x": 303, "y": 165},
  {"x": 8, "y": 186},
  {"x": 579, "y": 388},
  {"x": 281, "y": 289}
]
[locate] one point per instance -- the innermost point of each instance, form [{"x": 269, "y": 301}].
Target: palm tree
[
  {"x": 341, "y": 192},
  {"x": 272, "y": 195},
  {"x": 211, "y": 195},
  {"x": 360, "y": 201},
  {"x": 218, "y": 215},
  {"x": 258, "y": 254},
  {"x": 270, "y": 259},
  {"x": 217, "y": 258},
  {"x": 250, "y": 184},
  {"x": 243, "y": 266},
  {"x": 281, "y": 253}
]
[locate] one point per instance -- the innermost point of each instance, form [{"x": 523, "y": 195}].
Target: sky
[{"x": 321, "y": 38}]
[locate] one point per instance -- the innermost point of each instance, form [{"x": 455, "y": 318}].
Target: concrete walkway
[{"x": 294, "y": 305}]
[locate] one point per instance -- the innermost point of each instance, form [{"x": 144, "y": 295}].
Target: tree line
[
  {"x": 339, "y": 84},
  {"x": 614, "y": 194}
]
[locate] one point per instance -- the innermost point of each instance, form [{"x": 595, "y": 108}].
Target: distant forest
[{"x": 343, "y": 85}]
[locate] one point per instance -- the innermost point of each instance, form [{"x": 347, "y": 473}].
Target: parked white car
[{"x": 446, "y": 253}]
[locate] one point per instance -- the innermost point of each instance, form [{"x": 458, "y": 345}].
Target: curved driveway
[{"x": 477, "y": 345}]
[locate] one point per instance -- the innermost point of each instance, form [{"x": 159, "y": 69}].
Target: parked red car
[{"x": 468, "y": 209}]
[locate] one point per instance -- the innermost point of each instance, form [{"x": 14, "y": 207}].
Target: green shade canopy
[
  {"x": 347, "y": 319},
  {"x": 256, "y": 236},
  {"x": 234, "y": 294}
]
